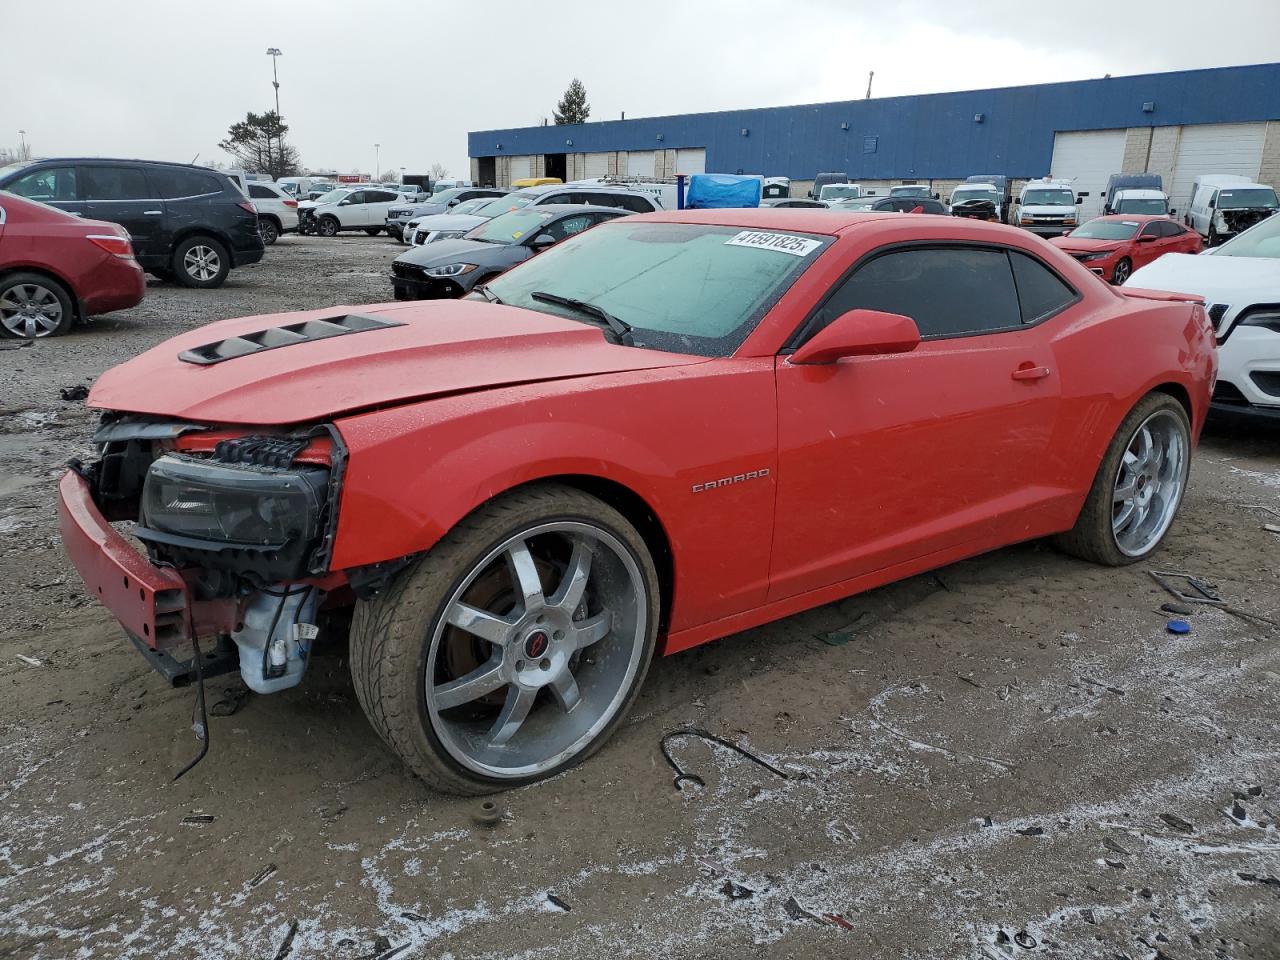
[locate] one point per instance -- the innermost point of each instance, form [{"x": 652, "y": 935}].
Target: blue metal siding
[{"x": 918, "y": 137}]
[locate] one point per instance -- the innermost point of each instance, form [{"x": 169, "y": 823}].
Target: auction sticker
[{"x": 782, "y": 242}]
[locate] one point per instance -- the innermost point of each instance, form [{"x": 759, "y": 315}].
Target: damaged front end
[
  {"x": 237, "y": 530},
  {"x": 1241, "y": 219}
]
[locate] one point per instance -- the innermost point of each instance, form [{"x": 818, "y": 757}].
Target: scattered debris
[
  {"x": 1098, "y": 683},
  {"x": 1031, "y": 832},
  {"x": 1178, "y": 626},
  {"x": 199, "y": 818},
  {"x": 1177, "y": 823},
  {"x": 332, "y": 814},
  {"x": 266, "y": 872},
  {"x": 393, "y": 952},
  {"x": 877, "y": 701},
  {"x": 969, "y": 680},
  {"x": 1238, "y": 812},
  {"x": 415, "y": 917},
  {"x": 1271, "y": 527},
  {"x": 286, "y": 946},
  {"x": 553, "y": 899},
  {"x": 232, "y": 699},
  {"x": 838, "y": 920},
  {"x": 1086, "y": 914},
  {"x": 1255, "y": 878},
  {"x": 74, "y": 394},
  {"x": 487, "y": 814},
  {"x": 1114, "y": 847},
  {"x": 1024, "y": 940},
  {"x": 1179, "y": 608},
  {"x": 716, "y": 868},
  {"x": 1205, "y": 592},
  {"x": 736, "y": 891},
  {"x": 682, "y": 777},
  {"x": 16, "y": 346},
  {"x": 797, "y": 912},
  {"x": 29, "y": 661},
  {"x": 838, "y": 638},
  {"x": 1114, "y": 864}
]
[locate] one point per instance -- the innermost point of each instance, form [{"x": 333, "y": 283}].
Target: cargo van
[
  {"x": 1222, "y": 206},
  {"x": 822, "y": 179},
  {"x": 1046, "y": 207}
]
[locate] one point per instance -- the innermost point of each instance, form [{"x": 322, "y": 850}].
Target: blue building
[{"x": 1181, "y": 125}]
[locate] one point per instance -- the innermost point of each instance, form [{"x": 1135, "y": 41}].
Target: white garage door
[
  {"x": 520, "y": 168},
  {"x": 691, "y": 161},
  {"x": 1209, "y": 148},
  {"x": 1088, "y": 158},
  {"x": 597, "y": 165},
  {"x": 640, "y": 163}
]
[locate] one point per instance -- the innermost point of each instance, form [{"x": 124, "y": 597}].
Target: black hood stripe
[{"x": 288, "y": 335}]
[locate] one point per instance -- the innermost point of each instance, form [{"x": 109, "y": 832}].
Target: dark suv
[{"x": 189, "y": 224}]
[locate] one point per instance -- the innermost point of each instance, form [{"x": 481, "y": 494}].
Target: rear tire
[
  {"x": 1104, "y": 533},
  {"x": 269, "y": 230},
  {"x": 201, "y": 262},
  {"x": 373, "y": 231},
  {"x": 34, "y": 306},
  {"x": 565, "y": 595}
]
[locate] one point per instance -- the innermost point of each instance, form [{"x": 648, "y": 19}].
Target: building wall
[
  {"x": 920, "y": 137},
  {"x": 1270, "y": 171}
]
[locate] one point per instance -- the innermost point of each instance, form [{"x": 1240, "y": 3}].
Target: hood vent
[{"x": 286, "y": 336}]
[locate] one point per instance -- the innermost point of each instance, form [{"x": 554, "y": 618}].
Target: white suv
[
  {"x": 277, "y": 211},
  {"x": 356, "y": 208},
  {"x": 1240, "y": 283}
]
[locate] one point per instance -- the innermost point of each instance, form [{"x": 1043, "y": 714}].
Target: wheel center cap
[{"x": 536, "y": 644}]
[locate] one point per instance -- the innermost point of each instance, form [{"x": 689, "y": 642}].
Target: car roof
[
  {"x": 1141, "y": 193},
  {"x": 156, "y": 163},
  {"x": 546, "y": 188},
  {"x": 560, "y": 208},
  {"x": 798, "y": 219},
  {"x": 1131, "y": 217}
]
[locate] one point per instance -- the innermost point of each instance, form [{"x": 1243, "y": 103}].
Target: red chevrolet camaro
[
  {"x": 667, "y": 429},
  {"x": 1115, "y": 246}
]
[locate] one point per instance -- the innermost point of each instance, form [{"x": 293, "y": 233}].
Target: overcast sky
[{"x": 165, "y": 79}]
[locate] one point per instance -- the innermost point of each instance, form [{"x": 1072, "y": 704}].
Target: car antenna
[{"x": 196, "y": 157}]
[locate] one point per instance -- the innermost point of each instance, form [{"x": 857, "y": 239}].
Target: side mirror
[
  {"x": 1172, "y": 211},
  {"x": 1066, "y": 233},
  {"x": 859, "y": 333},
  {"x": 344, "y": 202},
  {"x": 937, "y": 196},
  {"x": 1146, "y": 238},
  {"x": 1080, "y": 198},
  {"x": 542, "y": 241}
]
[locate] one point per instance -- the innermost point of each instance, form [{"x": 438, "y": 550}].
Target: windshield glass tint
[
  {"x": 1262, "y": 240},
  {"x": 860, "y": 204},
  {"x": 687, "y": 288},
  {"x": 333, "y": 196},
  {"x": 910, "y": 192},
  {"x": 492, "y": 207},
  {"x": 511, "y": 227},
  {"x": 470, "y": 206},
  {"x": 837, "y": 191},
  {"x": 1107, "y": 230},
  {"x": 1236, "y": 199},
  {"x": 962, "y": 196},
  {"x": 1048, "y": 198},
  {"x": 1154, "y": 207}
]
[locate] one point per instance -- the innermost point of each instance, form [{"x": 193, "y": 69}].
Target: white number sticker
[{"x": 781, "y": 242}]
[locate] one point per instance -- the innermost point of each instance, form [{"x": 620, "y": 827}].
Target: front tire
[
  {"x": 201, "y": 262},
  {"x": 514, "y": 648},
  {"x": 328, "y": 226},
  {"x": 1122, "y": 271},
  {"x": 373, "y": 231},
  {"x": 1138, "y": 487},
  {"x": 33, "y": 306}
]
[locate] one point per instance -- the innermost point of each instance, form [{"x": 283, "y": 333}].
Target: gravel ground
[{"x": 1011, "y": 757}]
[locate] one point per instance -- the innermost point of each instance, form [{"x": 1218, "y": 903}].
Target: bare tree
[{"x": 439, "y": 170}]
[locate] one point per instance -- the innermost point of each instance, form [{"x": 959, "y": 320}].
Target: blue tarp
[{"x": 709, "y": 191}]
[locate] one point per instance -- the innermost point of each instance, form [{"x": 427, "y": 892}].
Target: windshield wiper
[
  {"x": 620, "y": 328},
  {"x": 484, "y": 291}
]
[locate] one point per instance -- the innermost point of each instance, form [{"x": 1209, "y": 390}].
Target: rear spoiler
[{"x": 1165, "y": 295}]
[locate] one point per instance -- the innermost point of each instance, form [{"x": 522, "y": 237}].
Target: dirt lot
[{"x": 1010, "y": 758}]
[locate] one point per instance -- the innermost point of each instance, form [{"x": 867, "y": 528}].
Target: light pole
[
  {"x": 22, "y": 145},
  {"x": 274, "y": 52},
  {"x": 377, "y": 162}
]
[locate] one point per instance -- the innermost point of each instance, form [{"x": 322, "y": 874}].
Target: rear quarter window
[
  {"x": 1041, "y": 292},
  {"x": 173, "y": 183}
]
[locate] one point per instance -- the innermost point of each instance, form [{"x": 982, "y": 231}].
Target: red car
[
  {"x": 56, "y": 268},
  {"x": 667, "y": 429},
  {"x": 1115, "y": 246}
]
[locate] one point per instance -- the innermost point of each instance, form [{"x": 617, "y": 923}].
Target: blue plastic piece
[
  {"x": 1179, "y": 626},
  {"x": 714, "y": 191}
]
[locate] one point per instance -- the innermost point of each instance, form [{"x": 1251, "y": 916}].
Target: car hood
[
  {"x": 1085, "y": 245},
  {"x": 436, "y": 347},
  {"x": 1218, "y": 279},
  {"x": 1054, "y": 210},
  {"x": 451, "y": 251},
  {"x": 449, "y": 221}
]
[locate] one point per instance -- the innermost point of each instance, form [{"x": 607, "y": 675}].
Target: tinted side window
[
  {"x": 378, "y": 196},
  {"x": 173, "y": 183},
  {"x": 113, "y": 183},
  {"x": 356, "y": 196},
  {"x": 947, "y": 292},
  {"x": 260, "y": 193},
  {"x": 632, "y": 203},
  {"x": 1039, "y": 289},
  {"x": 46, "y": 184},
  {"x": 1170, "y": 229},
  {"x": 1152, "y": 229}
]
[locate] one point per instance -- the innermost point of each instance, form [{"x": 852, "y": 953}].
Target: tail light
[
  {"x": 113, "y": 244},
  {"x": 291, "y": 203},
  {"x": 248, "y": 206}
]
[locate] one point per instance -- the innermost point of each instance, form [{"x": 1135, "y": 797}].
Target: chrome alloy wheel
[
  {"x": 30, "y": 310},
  {"x": 202, "y": 262},
  {"x": 520, "y": 679},
  {"x": 1150, "y": 482}
]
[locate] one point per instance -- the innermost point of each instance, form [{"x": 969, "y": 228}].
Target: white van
[
  {"x": 297, "y": 187},
  {"x": 1223, "y": 206},
  {"x": 841, "y": 191},
  {"x": 1046, "y": 207}
]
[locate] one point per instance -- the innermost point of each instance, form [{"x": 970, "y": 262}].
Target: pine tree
[{"x": 573, "y": 106}]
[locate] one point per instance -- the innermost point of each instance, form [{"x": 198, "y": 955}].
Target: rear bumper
[
  {"x": 117, "y": 284},
  {"x": 153, "y": 604}
]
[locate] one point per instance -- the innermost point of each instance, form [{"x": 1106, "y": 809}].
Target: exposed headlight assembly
[
  {"x": 447, "y": 235},
  {"x": 1268, "y": 317},
  {"x": 263, "y": 521},
  {"x": 1098, "y": 256},
  {"x": 450, "y": 270}
]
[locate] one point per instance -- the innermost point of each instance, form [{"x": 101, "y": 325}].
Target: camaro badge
[{"x": 727, "y": 481}]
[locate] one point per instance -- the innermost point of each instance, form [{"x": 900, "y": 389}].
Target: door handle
[
  {"x": 152, "y": 213},
  {"x": 1028, "y": 372}
]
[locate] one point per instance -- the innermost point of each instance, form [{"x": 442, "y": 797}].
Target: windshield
[
  {"x": 333, "y": 196},
  {"x": 863, "y": 203},
  {"x": 444, "y": 196},
  {"x": 1260, "y": 240},
  {"x": 968, "y": 196},
  {"x": 1236, "y": 199},
  {"x": 910, "y": 191},
  {"x": 471, "y": 206},
  {"x": 688, "y": 288},
  {"x": 1049, "y": 198},
  {"x": 492, "y": 206},
  {"x": 442, "y": 185},
  {"x": 1155, "y": 207},
  {"x": 838, "y": 191},
  {"x": 1107, "y": 230},
  {"x": 511, "y": 227}
]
